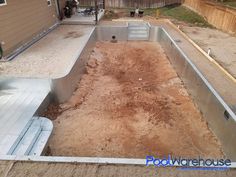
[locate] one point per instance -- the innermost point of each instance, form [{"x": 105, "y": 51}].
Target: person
[
  {"x": 74, "y": 6},
  {"x": 77, "y": 3},
  {"x": 68, "y": 9},
  {"x": 137, "y": 11}
]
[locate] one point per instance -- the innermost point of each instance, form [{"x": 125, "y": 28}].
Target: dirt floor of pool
[{"x": 130, "y": 103}]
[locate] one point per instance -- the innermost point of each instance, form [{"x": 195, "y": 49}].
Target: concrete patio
[{"x": 81, "y": 19}]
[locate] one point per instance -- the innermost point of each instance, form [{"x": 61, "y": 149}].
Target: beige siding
[{"x": 20, "y": 20}]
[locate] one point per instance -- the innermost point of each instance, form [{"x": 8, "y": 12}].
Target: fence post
[
  {"x": 96, "y": 11},
  {"x": 104, "y": 2}
]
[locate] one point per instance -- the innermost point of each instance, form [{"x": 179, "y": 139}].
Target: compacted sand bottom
[{"x": 131, "y": 103}]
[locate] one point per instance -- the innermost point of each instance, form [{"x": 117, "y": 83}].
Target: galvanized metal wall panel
[
  {"x": 62, "y": 88},
  {"x": 219, "y": 116},
  {"x": 105, "y": 33}
]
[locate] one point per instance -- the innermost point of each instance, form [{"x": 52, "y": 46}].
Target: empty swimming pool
[{"x": 135, "y": 97}]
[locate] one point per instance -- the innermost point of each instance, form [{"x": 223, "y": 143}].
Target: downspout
[
  {"x": 96, "y": 12},
  {"x": 58, "y": 9}
]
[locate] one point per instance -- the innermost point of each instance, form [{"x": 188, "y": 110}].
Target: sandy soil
[
  {"x": 52, "y": 56},
  {"x": 131, "y": 103},
  {"x": 222, "y": 45}
]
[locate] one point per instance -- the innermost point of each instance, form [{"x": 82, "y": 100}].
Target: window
[
  {"x": 49, "y": 2},
  {"x": 3, "y": 2}
]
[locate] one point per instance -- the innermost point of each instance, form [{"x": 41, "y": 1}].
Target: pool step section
[
  {"x": 20, "y": 101},
  {"x": 35, "y": 138},
  {"x": 138, "y": 31}
]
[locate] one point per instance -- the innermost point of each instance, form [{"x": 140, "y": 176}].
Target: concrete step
[
  {"x": 138, "y": 28},
  {"x": 138, "y": 39},
  {"x": 138, "y": 36},
  {"x": 138, "y": 31}
]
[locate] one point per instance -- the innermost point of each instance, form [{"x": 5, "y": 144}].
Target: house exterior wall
[{"x": 20, "y": 20}]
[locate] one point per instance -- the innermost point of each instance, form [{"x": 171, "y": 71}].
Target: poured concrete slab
[
  {"x": 52, "y": 56},
  {"x": 80, "y": 19}
]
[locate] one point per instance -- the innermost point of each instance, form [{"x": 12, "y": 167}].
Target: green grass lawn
[
  {"x": 180, "y": 13},
  {"x": 231, "y": 3},
  {"x": 177, "y": 12}
]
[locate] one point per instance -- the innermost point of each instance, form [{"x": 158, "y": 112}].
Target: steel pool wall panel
[
  {"x": 105, "y": 33},
  {"x": 154, "y": 34},
  {"x": 63, "y": 87},
  {"x": 220, "y": 117}
]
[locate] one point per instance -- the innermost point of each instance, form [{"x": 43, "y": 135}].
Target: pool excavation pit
[
  {"x": 131, "y": 103},
  {"x": 128, "y": 92}
]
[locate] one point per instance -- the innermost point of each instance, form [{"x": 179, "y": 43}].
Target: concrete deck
[
  {"x": 80, "y": 19},
  {"x": 52, "y": 56}
]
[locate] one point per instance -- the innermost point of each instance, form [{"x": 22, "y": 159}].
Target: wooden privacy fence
[
  {"x": 131, "y": 3},
  {"x": 221, "y": 17}
]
